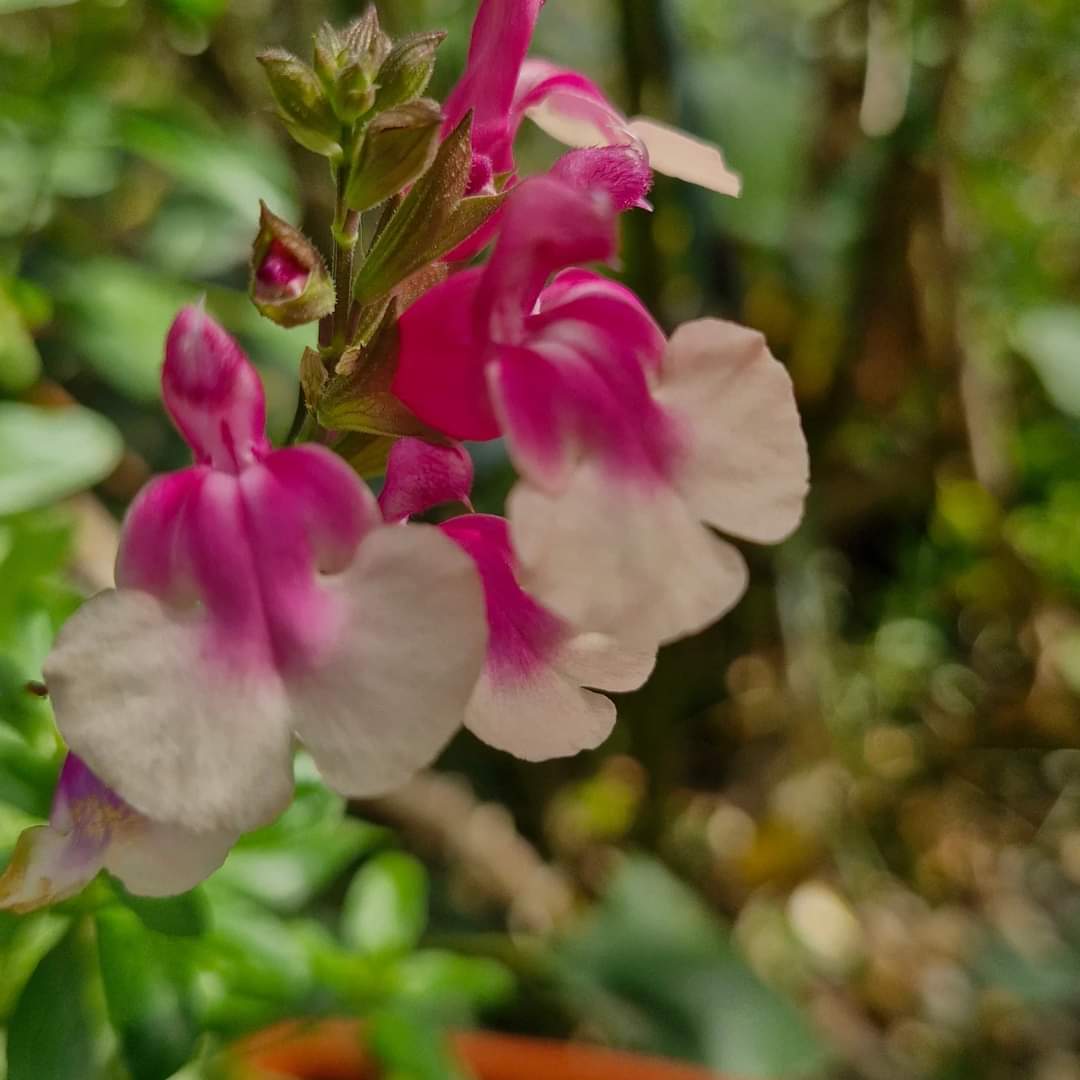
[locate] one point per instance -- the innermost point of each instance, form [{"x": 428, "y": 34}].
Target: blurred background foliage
[{"x": 839, "y": 833}]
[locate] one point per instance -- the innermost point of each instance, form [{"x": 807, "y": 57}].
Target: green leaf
[
  {"x": 49, "y": 453},
  {"x": 186, "y": 915},
  {"x": 148, "y": 991},
  {"x": 435, "y": 976},
  {"x": 288, "y": 863},
  {"x": 1050, "y": 339},
  {"x": 58, "y": 1031},
  {"x": 410, "y": 1046},
  {"x": 385, "y": 909},
  {"x": 24, "y": 940},
  {"x": 716, "y": 1012},
  {"x": 20, "y": 364}
]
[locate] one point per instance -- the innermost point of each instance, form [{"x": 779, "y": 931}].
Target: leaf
[
  {"x": 411, "y": 1046},
  {"x": 20, "y": 364},
  {"x": 148, "y": 992},
  {"x": 717, "y": 1011},
  {"x": 288, "y": 863},
  {"x": 186, "y": 915},
  {"x": 233, "y": 168},
  {"x": 58, "y": 1031},
  {"x": 385, "y": 909},
  {"x": 24, "y": 940},
  {"x": 49, "y": 453},
  {"x": 435, "y": 976},
  {"x": 1050, "y": 339}
]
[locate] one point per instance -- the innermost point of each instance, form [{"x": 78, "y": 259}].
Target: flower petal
[
  {"x": 621, "y": 171},
  {"x": 747, "y": 468},
  {"x": 441, "y": 359},
  {"x": 677, "y": 154},
  {"x": 395, "y": 690},
  {"x": 177, "y": 736},
  {"x": 568, "y": 106},
  {"x": 421, "y": 475},
  {"x": 151, "y": 555},
  {"x": 544, "y": 716},
  {"x": 336, "y": 509},
  {"x": 500, "y": 38},
  {"x": 153, "y": 859},
  {"x": 630, "y": 561},
  {"x": 606, "y": 663},
  {"x": 47, "y": 867}
]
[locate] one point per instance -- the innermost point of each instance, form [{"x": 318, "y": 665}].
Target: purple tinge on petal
[
  {"x": 622, "y": 172},
  {"x": 421, "y": 475},
  {"x": 522, "y": 636},
  {"x": 280, "y": 273},
  {"x": 500, "y": 39},
  {"x": 213, "y": 393},
  {"x": 55, "y": 861}
]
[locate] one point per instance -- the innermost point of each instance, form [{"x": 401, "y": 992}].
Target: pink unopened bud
[
  {"x": 213, "y": 393},
  {"x": 289, "y": 281}
]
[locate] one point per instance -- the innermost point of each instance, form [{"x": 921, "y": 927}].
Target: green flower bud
[
  {"x": 406, "y": 72},
  {"x": 398, "y": 148},
  {"x": 302, "y": 103}
]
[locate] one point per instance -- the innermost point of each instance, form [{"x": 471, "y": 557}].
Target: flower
[
  {"x": 260, "y": 596},
  {"x": 625, "y": 444},
  {"x": 501, "y": 88},
  {"x": 531, "y": 698},
  {"x": 91, "y": 828}
]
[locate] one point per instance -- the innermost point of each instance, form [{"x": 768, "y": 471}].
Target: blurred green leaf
[
  {"x": 411, "y": 1046},
  {"x": 147, "y": 983},
  {"x": 1050, "y": 339},
  {"x": 288, "y": 863},
  {"x": 24, "y": 940},
  {"x": 20, "y": 364},
  {"x": 452, "y": 979},
  {"x": 233, "y": 168},
  {"x": 385, "y": 909},
  {"x": 49, "y": 453},
  {"x": 186, "y": 915},
  {"x": 57, "y": 1031},
  {"x": 712, "y": 1008}
]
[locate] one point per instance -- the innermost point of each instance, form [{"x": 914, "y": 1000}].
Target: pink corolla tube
[
  {"x": 91, "y": 828},
  {"x": 261, "y": 598},
  {"x": 537, "y": 694},
  {"x": 628, "y": 446}
]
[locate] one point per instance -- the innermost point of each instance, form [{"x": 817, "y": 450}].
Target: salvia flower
[
  {"x": 532, "y": 698},
  {"x": 501, "y": 88},
  {"x": 91, "y": 828},
  {"x": 625, "y": 444},
  {"x": 261, "y": 597}
]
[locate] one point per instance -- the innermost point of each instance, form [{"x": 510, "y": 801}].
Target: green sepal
[
  {"x": 408, "y": 68},
  {"x": 358, "y": 396},
  {"x": 431, "y": 220},
  {"x": 397, "y": 149},
  {"x": 302, "y": 103}
]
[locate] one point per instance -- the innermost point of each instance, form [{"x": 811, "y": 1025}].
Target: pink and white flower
[
  {"x": 532, "y": 698},
  {"x": 261, "y": 597},
  {"x": 625, "y": 444},
  {"x": 501, "y": 88},
  {"x": 91, "y": 828}
]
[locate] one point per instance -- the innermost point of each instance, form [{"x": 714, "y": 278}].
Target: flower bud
[
  {"x": 406, "y": 72},
  {"x": 289, "y": 281},
  {"x": 398, "y": 148},
  {"x": 302, "y": 103},
  {"x": 365, "y": 41}
]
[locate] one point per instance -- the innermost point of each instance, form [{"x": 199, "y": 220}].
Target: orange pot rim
[{"x": 333, "y": 1050}]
